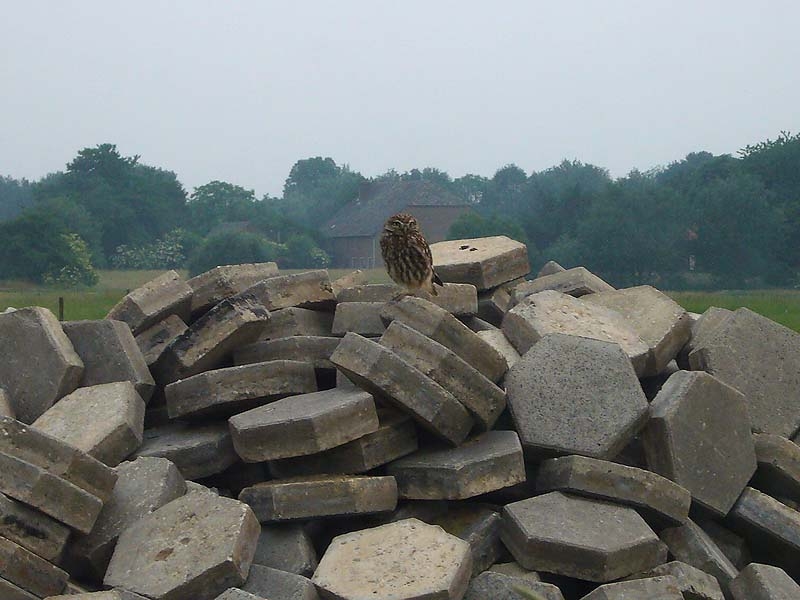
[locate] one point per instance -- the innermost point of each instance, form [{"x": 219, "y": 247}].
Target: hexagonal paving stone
[
  {"x": 484, "y": 262},
  {"x": 651, "y": 588},
  {"x": 577, "y": 282},
  {"x": 500, "y": 586},
  {"x": 691, "y": 545},
  {"x": 214, "y": 286},
  {"x": 778, "y": 466},
  {"x": 575, "y": 395},
  {"x": 581, "y": 538},
  {"x": 488, "y": 462},
  {"x": 167, "y": 294},
  {"x": 699, "y": 437},
  {"x": 406, "y": 560},
  {"x": 764, "y": 582},
  {"x": 186, "y": 549}
]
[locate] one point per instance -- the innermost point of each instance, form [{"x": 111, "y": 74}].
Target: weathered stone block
[
  {"x": 385, "y": 562},
  {"x": 230, "y": 324},
  {"x": 660, "y": 322},
  {"x": 764, "y": 582},
  {"x": 214, "y": 286},
  {"x": 554, "y": 312},
  {"x": 363, "y": 318},
  {"x": 288, "y": 547},
  {"x": 320, "y": 496},
  {"x": 441, "y": 326},
  {"x": 371, "y": 292},
  {"x": 291, "y": 321},
  {"x": 154, "y": 340},
  {"x": 693, "y": 583},
  {"x": 484, "y": 262},
  {"x": 9, "y": 591},
  {"x": 691, "y": 545},
  {"x": 106, "y": 421},
  {"x": 30, "y": 571},
  {"x": 396, "y": 436},
  {"x": 279, "y": 585},
  {"x": 575, "y": 395},
  {"x": 56, "y": 457},
  {"x": 702, "y": 325},
  {"x": 143, "y": 486},
  {"x": 476, "y": 524},
  {"x": 198, "y": 451},
  {"x": 714, "y": 463},
  {"x": 237, "y": 594},
  {"x": 549, "y": 268},
  {"x": 186, "y": 549},
  {"x": 575, "y": 282},
  {"x": 313, "y": 349},
  {"x": 764, "y": 520},
  {"x": 514, "y": 569},
  {"x": 224, "y": 392},
  {"x": 168, "y": 294},
  {"x": 109, "y": 353},
  {"x": 107, "y": 595},
  {"x": 33, "y": 386},
  {"x": 32, "y": 529},
  {"x": 603, "y": 542},
  {"x": 500, "y": 586},
  {"x": 309, "y": 289},
  {"x": 732, "y": 545},
  {"x": 482, "y": 398},
  {"x": 658, "y": 498},
  {"x": 350, "y": 280},
  {"x": 380, "y": 371},
  {"x": 498, "y": 340},
  {"x": 6, "y": 410},
  {"x": 303, "y": 424},
  {"x": 488, "y": 462},
  {"x": 761, "y": 359},
  {"x": 778, "y": 471},
  {"x": 652, "y": 588}
]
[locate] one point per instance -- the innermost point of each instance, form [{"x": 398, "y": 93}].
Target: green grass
[{"x": 782, "y": 306}]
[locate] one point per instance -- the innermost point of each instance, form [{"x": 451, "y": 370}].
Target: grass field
[{"x": 782, "y": 306}]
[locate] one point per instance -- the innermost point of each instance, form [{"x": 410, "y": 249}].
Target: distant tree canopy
[{"x": 734, "y": 219}]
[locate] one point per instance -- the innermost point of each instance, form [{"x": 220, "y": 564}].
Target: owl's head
[{"x": 401, "y": 224}]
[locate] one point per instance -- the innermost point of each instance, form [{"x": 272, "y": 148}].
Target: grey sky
[{"x": 241, "y": 90}]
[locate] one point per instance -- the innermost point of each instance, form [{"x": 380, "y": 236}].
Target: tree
[
  {"x": 218, "y": 202},
  {"x": 15, "y": 196},
  {"x": 316, "y": 188},
  {"x": 231, "y": 249}
]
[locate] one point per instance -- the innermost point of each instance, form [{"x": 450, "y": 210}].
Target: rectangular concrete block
[
  {"x": 353, "y": 279},
  {"x": 288, "y": 547},
  {"x": 6, "y": 410},
  {"x": 314, "y": 349},
  {"x": 214, "y": 286},
  {"x": 576, "y": 282},
  {"x": 363, "y": 318},
  {"x": 106, "y": 421},
  {"x": 498, "y": 340},
  {"x": 32, "y": 529},
  {"x": 29, "y": 571},
  {"x": 691, "y": 545},
  {"x": 309, "y": 289},
  {"x": 10, "y": 591},
  {"x": 274, "y": 583},
  {"x": 167, "y": 294},
  {"x": 33, "y": 386},
  {"x": 286, "y": 322},
  {"x": 483, "y": 262},
  {"x": 154, "y": 340}
]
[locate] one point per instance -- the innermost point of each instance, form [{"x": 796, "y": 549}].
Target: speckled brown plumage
[{"x": 407, "y": 255}]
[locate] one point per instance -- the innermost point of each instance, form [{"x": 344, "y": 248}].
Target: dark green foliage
[
  {"x": 302, "y": 252},
  {"x": 316, "y": 188},
  {"x": 15, "y": 196},
  {"x": 230, "y": 249}
]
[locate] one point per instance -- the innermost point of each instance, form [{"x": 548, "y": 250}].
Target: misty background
[{"x": 149, "y": 125}]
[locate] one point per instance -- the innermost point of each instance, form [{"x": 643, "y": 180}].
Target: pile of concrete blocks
[{"x": 252, "y": 434}]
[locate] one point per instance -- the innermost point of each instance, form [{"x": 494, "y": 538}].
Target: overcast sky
[{"x": 239, "y": 91}]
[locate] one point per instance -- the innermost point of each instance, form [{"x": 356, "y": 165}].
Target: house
[{"x": 354, "y": 231}]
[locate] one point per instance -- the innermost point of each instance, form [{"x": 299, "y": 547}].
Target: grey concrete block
[
  {"x": 395, "y": 437},
  {"x": 660, "y": 322},
  {"x": 714, "y": 463},
  {"x": 498, "y": 340},
  {"x": 576, "y": 282},
  {"x": 652, "y": 588},
  {"x": 363, "y": 318},
  {"x": 482, "y": 398},
  {"x": 732, "y": 545},
  {"x": 168, "y": 294},
  {"x": 575, "y": 395},
  {"x": 656, "y": 497},
  {"x": 484, "y": 262},
  {"x": 549, "y": 268},
  {"x": 288, "y": 547},
  {"x": 350, "y": 280},
  {"x": 107, "y": 595},
  {"x": 478, "y": 525},
  {"x": 485, "y": 463},
  {"x": 320, "y": 496},
  {"x": 6, "y": 410},
  {"x": 514, "y": 569},
  {"x": 761, "y": 359},
  {"x": 385, "y": 562},
  {"x": 766, "y": 521},
  {"x": 693, "y": 583},
  {"x": 441, "y": 326},
  {"x": 602, "y": 542},
  {"x": 109, "y": 353},
  {"x": 29, "y": 571},
  {"x": 197, "y": 450},
  {"x": 237, "y": 594},
  {"x": 291, "y": 321},
  {"x": 212, "y": 338},
  {"x": 691, "y": 545},
  {"x": 309, "y": 289},
  {"x": 228, "y": 391},
  {"x": 369, "y": 292},
  {"x": 143, "y": 486},
  {"x": 186, "y": 549},
  {"x": 303, "y": 424},
  {"x": 279, "y": 585},
  {"x": 494, "y": 303},
  {"x": 702, "y": 326},
  {"x": 32, "y": 529},
  {"x": 459, "y": 299},
  {"x": 106, "y": 421},
  {"x": 313, "y": 349},
  {"x": 553, "y": 312},
  {"x": 778, "y": 471},
  {"x": 380, "y": 371},
  {"x": 154, "y": 340},
  {"x": 764, "y": 582},
  {"x": 500, "y": 586},
  {"x": 10, "y": 591},
  {"x": 33, "y": 386},
  {"x": 214, "y": 286}
]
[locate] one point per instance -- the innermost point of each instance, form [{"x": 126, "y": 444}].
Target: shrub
[{"x": 232, "y": 248}]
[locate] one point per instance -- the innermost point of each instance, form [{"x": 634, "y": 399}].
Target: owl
[{"x": 407, "y": 255}]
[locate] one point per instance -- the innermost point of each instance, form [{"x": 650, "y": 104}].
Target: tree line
[{"x": 701, "y": 222}]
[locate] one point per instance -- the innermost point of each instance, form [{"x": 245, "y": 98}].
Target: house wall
[
  {"x": 354, "y": 253},
  {"x": 435, "y": 221}
]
